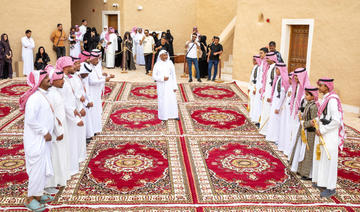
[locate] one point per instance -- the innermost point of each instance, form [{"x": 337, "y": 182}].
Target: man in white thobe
[
  {"x": 257, "y": 102},
  {"x": 38, "y": 126},
  {"x": 74, "y": 123},
  {"x": 165, "y": 77},
  {"x": 267, "y": 82},
  {"x": 28, "y": 46},
  {"x": 252, "y": 85},
  {"x": 97, "y": 81},
  {"x": 112, "y": 47},
  {"x": 85, "y": 69},
  {"x": 281, "y": 83},
  {"x": 82, "y": 28},
  {"x": 332, "y": 129},
  {"x": 140, "y": 59},
  {"x": 81, "y": 103},
  {"x": 60, "y": 145}
]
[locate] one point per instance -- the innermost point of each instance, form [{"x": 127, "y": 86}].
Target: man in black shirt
[
  {"x": 161, "y": 45},
  {"x": 215, "y": 51},
  {"x": 272, "y": 48}
]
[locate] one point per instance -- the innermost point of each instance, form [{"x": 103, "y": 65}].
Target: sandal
[
  {"x": 46, "y": 199},
  {"x": 34, "y": 205}
]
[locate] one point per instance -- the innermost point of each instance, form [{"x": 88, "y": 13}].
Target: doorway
[
  {"x": 111, "y": 19},
  {"x": 296, "y": 42},
  {"x": 299, "y": 35}
]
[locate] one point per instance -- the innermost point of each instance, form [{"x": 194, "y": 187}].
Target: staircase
[{"x": 226, "y": 71}]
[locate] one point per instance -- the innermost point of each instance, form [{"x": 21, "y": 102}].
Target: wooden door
[
  {"x": 113, "y": 21},
  {"x": 298, "y": 46}
]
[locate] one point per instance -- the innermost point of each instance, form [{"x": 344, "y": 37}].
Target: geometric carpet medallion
[
  {"x": 131, "y": 170},
  {"x": 242, "y": 170}
]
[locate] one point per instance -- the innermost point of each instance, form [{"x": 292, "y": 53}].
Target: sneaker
[
  {"x": 328, "y": 193},
  {"x": 190, "y": 80},
  {"x": 199, "y": 80},
  {"x": 314, "y": 185},
  {"x": 51, "y": 190}
]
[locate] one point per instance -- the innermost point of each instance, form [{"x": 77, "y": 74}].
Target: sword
[{"x": 321, "y": 142}]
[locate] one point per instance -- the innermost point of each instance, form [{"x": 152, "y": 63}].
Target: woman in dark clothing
[
  {"x": 129, "y": 57},
  {"x": 203, "y": 64},
  {"x": 170, "y": 39},
  {"x": 156, "y": 39},
  {"x": 92, "y": 40},
  {"x": 86, "y": 38},
  {"x": 6, "y": 60},
  {"x": 42, "y": 59},
  {"x": 118, "y": 54}
]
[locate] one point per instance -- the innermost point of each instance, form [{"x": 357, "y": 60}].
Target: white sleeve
[
  {"x": 25, "y": 43},
  {"x": 31, "y": 112},
  {"x": 157, "y": 76},
  {"x": 282, "y": 99},
  {"x": 251, "y": 84},
  {"x": 173, "y": 77},
  {"x": 58, "y": 129},
  {"x": 32, "y": 43},
  {"x": 94, "y": 80},
  {"x": 335, "y": 117}
]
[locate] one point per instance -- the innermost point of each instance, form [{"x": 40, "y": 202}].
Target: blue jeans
[
  {"x": 196, "y": 64},
  {"x": 211, "y": 63}
]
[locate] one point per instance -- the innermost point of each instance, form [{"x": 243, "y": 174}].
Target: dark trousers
[
  {"x": 60, "y": 51},
  {"x": 148, "y": 61},
  {"x": 211, "y": 63}
]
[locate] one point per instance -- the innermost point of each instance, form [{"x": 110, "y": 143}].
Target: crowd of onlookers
[{"x": 137, "y": 46}]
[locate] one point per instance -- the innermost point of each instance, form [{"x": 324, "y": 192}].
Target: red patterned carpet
[{"x": 213, "y": 159}]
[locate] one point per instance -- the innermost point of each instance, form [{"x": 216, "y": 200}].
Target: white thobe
[
  {"x": 39, "y": 120},
  {"x": 266, "y": 106},
  {"x": 294, "y": 126},
  {"x": 96, "y": 88},
  {"x": 76, "y": 50},
  {"x": 28, "y": 46},
  {"x": 140, "y": 59},
  {"x": 167, "y": 103},
  {"x": 89, "y": 111},
  {"x": 273, "y": 131},
  {"x": 284, "y": 135},
  {"x": 257, "y": 102},
  {"x": 133, "y": 34},
  {"x": 82, "y": 131},
  {"x": 252, "y": 88},
  {"x": 59, "y": 149},
  {"x": 324, "y": 170},
  {"x": 82, "y": 29},
  {"x": 73, "y": 131},
  {"x": 110, "y": 51}
]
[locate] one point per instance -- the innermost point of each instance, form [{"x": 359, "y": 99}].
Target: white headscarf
[{"x": 160, "y": 53}]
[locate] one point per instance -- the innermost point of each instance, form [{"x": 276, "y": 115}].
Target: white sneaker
[{"x": 51, "y": 190}]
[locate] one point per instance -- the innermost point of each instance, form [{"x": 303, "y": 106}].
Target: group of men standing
[
  {"x": 287, "y": 111},
  {"x": 196, "y": 51},
  {"x": 63, "y": 110}
]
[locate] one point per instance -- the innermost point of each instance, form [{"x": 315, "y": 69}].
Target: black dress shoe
[
  {"x": 190, "y": 80},
  {"x": 199, "y": 80},
  {"x": 306, "y": 178}
]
